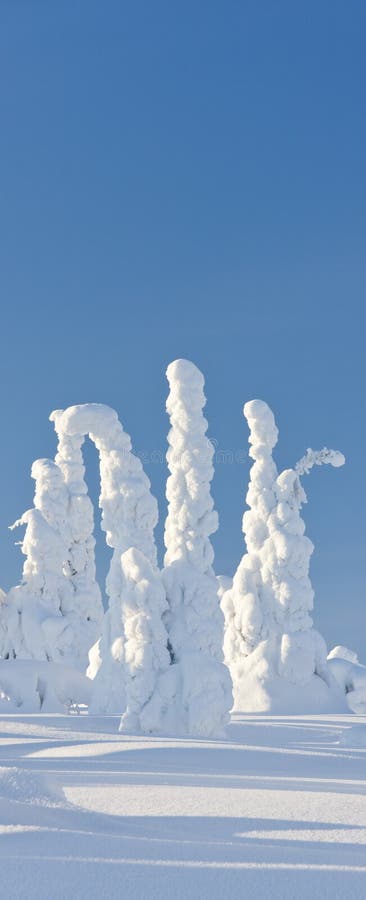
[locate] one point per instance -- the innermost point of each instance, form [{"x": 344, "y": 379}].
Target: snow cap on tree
[
  {"x": 263, "y": 436},
  {"x": 191, "y": 516}
]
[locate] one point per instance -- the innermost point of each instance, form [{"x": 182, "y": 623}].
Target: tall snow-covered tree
[
  {"x": 129, "y": 516},
  {"x": 194, "y": 619},
  {"x": 35, "y": 621},
  {"x": 247, "y": 619},
  {"x": 285, "y": 570},
  {"x": 275, "y": 655}
]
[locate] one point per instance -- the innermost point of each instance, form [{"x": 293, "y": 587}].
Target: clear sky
[{"x": 188, "y": 179}]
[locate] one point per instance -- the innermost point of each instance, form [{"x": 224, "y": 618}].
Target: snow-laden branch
[{"x": 319, "y": 458}]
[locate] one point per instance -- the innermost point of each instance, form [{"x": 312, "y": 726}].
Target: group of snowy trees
[{"x": 174, "y": 646}]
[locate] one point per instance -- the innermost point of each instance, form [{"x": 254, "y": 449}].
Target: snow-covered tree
[
  {"x": 248, "y": 620},
  {"x": 85, "y": 600},
  {"x": 275, "y": 655},
  {"x": 285, "y": 571},
  {"x": 194, "y": 619},
  {"x": 145, "y": 651},
  {"x": 129, "y": 516},
  {"x": 35, "y": 623}
]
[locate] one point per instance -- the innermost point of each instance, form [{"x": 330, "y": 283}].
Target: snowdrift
[{"x": 29, "y": 685}]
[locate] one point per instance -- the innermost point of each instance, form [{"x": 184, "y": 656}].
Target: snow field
[{"x": 278, "y": 809}]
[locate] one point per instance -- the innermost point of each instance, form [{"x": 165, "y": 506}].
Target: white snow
[
  {"x": 354, "y": 736},
  {"x": 34, "y": 685},
  {"x": 21, "y": 786},
  {"x": 277, "y": 810},
  {"x": 319, "y": 458},
  {"x": 181, "y": 801},
  {"x": 343, "y": 653},
  {"x": 225, "y": 583}
]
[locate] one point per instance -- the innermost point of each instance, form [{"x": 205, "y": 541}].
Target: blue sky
[{"x": 189, "y": 180}]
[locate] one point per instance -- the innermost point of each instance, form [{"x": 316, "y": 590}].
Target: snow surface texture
[
  {"x": 277, "y": 659},
  {"x": 129, "y": 516},
  {"x": 20, "y": 786},
  {"x": 194, "y": 620},
  {"x": 277, "y": 810},
  {"x": 35, "y": 620}
]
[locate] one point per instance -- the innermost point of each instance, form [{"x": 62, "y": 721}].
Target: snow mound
[
  {"x": 22, "y": 786},
  {"x": 351, "y": 678},
  {"x": 33, "y": 685},
  {"x": 266, "y": 691}
]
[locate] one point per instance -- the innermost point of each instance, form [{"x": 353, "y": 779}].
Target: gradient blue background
[{"x": 188, "y": 179}]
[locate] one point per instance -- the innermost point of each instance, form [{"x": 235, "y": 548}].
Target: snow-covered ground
[{"x": 277, "y": 810}]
